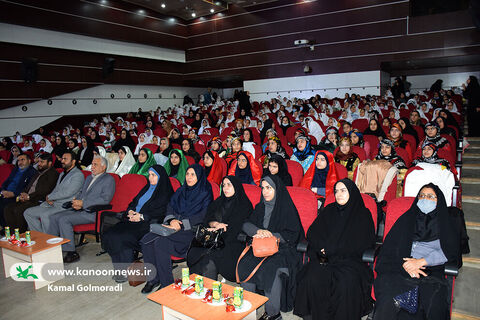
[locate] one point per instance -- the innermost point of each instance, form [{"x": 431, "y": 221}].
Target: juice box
[
  {"x": 198, "y": 284},
  {"x": 238, "y": 297},
  {"x": 217, "y": 291},
  {"x": 185, "y": 276},
  {"x": 28, "y": 238},
  {"x": 17, "y": 234},
  {"x": 7, "y": 233}
]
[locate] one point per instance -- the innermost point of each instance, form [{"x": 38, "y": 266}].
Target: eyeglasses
[{"x": 427, "y": 196}]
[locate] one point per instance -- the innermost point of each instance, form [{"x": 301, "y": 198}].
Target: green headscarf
[
  {"x": 182, "y": 169},
  {"x": 143, "y": 169}
]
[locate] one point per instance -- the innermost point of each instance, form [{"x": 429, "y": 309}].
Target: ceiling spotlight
[
  {"x": 171, "y": 20},
  {"x": 194, "y": 14},
  {"x": 141, "y": 12},
  {"x": 163, "y": 5},
  {"x": 103, "y": 1},
  {"x": 212, "y": 10}
]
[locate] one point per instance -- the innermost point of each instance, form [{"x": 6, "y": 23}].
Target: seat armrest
[
  {"x": 451, "y": 269},
  {"x": 302, "y": 246},
  {"x": 98, "y": 207},
  {"x": 242, "y": 237},
  {"x": 370, "y": 254}
]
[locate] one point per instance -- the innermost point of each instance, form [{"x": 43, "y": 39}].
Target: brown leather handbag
[
  {"x": 136, "y": 274},
  {"x": 262, "y": 248}
]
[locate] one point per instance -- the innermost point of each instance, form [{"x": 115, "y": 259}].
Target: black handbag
[
  {"x": 208, "y": 239},
  {"x": 407, "y": 301}
]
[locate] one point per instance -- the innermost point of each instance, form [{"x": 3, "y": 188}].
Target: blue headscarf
[
  {"x": 189, "y": 201},
  {"x": 302, "y": 155}
]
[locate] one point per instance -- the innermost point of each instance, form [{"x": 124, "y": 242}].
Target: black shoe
[
  {"x": 267, "y": 317},
  {"x": 118, "y": 278},
  {"x": 149, "y": 287},
  {"x": 71, "y": 256}
]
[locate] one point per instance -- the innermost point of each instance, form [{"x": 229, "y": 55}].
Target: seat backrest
[
  {"x": 306, "y": 203},
  {"x": 175, "y": 183},
  {"x": 258, "y": 152},
  {"x": 151, "y": 146},
  {"x": 126, "y": 189},
  {"x": 373, "y": 144},
  {"x": 5, "y": 155},
  {"x": 253, "y": 193},
  {"x": 395, "y": 209},
  {"x": 116, "y": 177},
  {"x": 86, "y": 173},
  {"x": 200, "y": 148},
  {"x": 296, "y": 171},
  {"x": 5, "y": 170},
  {"x": 362, "y": 155},
  {"x": 215, "y": 189},
  {"x": 342, "y": 172},
  {"x": 190, "y": 160},
  {"x": 360, "y": 124}
]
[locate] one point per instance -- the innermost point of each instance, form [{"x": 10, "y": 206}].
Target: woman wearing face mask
[
  {"x": 246, "y": 169},
  {"x": 177, "y": 165},
  {"x": 144, "y": 162},
  {"x": 213, "y": 167},
  {"x": 303, "y": 153},
  {"x": 322, "y": 175},
  {"x": 228, "y": 213},
  {"x": 285, "y": 125},
  {"x": 276, "y": 165},
  {"x": 335, "y": 283},
  {"x": 414, "y": 254},
  {"x": 275, "y": 215},
  {"x": 186, "y": 209}
]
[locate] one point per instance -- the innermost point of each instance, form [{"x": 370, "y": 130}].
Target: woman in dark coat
[
  {"x": 414, "y": 254},
  {"x": 125, "y": 140},
  {"x": 59, "y": 150},
  {"x": 186, "y": 209},
  {"x": 149, "y": 206},
  {"x": 335, "y": 283},
  {"x": 275, "y": 215},
  {"x": 228, "y": 213},
  {"x": 85, "y": 154}
]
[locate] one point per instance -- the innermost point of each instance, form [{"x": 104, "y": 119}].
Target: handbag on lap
[{"x": 262, "y": 248}]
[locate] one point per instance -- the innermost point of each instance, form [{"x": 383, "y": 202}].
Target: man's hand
[{"x": 77, "y": 204}]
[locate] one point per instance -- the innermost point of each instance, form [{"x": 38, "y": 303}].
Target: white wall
[
  {"x": 39, "y": 113},
  {"x": 53, "y": 39},
  {"x": 328, "y": 85},
  {"x": 420, "y": 83}
]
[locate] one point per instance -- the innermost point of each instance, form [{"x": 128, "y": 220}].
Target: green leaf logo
[{"x": 24, "y": 274}]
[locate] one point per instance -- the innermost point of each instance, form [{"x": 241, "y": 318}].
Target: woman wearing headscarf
[
  {"x": 45, "y": 146},
  {"x": 237, "y": 145},
  {"x": 14, "y": 153},
  {"x": 124, "y": 163},
  {"x": 335, "y": 283},
  {"x": 322, "y": 174},
  {"x": 246, "y": 168},
  {"x": 177, "y": 165},
  {"x": 144, "y": 162},
  {"x": 396, "y": 136},
  {"x": 450, "y": 119},
  {"x": 248, "y": 144},
  {"x": 59, "y": 150},
  {"x": 175, "y": 137},
  {"x": 303, "y": 153},
  {"x": 330, "y": 141},
  {"x": 213, "y": 167},
  {"x": 429, "y": 155},
  {"x": 285, "y": 124},
  {"x": 125, "y": 140},
  {"x": 444, "y": 128},
  {"x": 357, "y": 138},
  {"x": 142, "y": 140},
  {"x": 95, "y": 137},
  {"x": 275, "y": 215},
  {"x": 228, "y": 213},
  {"x": 276, "y": 165},
  {"x": 85, "y": 155},
  {"x": 7, "y": 143},
  {"x": 274, "y": 148},
  {"x": 432, "y": 134},
  {"x": 346, "y": 157},
  {"x": 386, "y": 151},
  {"x": 189, "y": 150},
  {"x": 186, "y": 209},
  {"x": 148, "y": 206},
  {"x": 375, "y": 129},
  {"x": 314, "y": 128},
  {"x": 216, "y": 145},
  {"x": 267, "y": 125},
  {"x": 414, "y": 254},
  {"x": 165, "y": 146},
  {"x": 408, "y": 129}
]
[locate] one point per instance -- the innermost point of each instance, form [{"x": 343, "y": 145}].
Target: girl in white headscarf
[
  {"x": 148, "y": 135},
  {"x": 45, "y": 146},
  {"x": 205, "y": 124},
  {"x": 314, "y": 129},
  {"x": 141, "y": 142},
  {"x": 124, "y": 162}
]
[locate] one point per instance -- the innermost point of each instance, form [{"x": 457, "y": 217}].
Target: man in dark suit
[
  {"x": 15, "y": 183},
  {"x": 41, "y": 184},
  {"x": 98, "y": 189}
]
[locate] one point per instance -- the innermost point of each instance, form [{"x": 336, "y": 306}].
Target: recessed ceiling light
[
  {"x": 141, "y": 11},
  {"x": 163, "y": 5},
  {"x": 171, "y": 20},
  {"x": 194, "y": 14},
  {"x": 104, "y": 2},
  {"x": 212, "y": 10}
]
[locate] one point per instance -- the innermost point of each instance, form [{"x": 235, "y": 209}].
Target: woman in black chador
[
  {"x": 149, "y": 206},
  {"x": 228, "y": 213},
  {"x": 336, "y": 284},
  {"x": 275, "y": 215},
  {"x": 414, "y": 254}
]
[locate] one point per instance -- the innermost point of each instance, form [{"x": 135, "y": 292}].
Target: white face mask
[{"x": 426, "y": 206}]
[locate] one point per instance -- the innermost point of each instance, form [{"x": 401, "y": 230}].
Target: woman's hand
[
  {"x": 215, "y": 225},
  {"x": 134, "y": 217},
  {"x": 414, "y": 267},
  {"x": 263, "y": 234},
  {"x": 175, "y": 224}
]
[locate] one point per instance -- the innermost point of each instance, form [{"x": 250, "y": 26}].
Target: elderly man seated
[
  {"x": 69, "y": 183},
  {"x": 15, "y": 183},
  {"x": 41, "y": 184},
  {"x": 98, "y": 189}
]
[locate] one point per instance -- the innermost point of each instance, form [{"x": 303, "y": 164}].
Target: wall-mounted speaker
[
  {"x": 29, "y": 70},
  {"x": 108, "y": 66}
]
